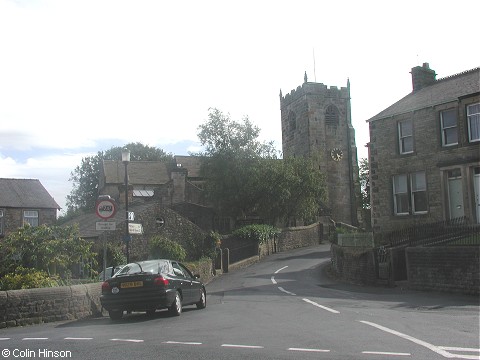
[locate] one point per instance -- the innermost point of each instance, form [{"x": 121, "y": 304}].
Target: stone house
[
  {"x": 424, "y": 153},
  {"x": 25, "y": 201}
]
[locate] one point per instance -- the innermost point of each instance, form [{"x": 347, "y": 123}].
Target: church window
[
  {"x": 331, "y": 116},
  {"x": 292, "y": 121}
]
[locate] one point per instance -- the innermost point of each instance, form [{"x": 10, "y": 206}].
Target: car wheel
[
  {"x": 176, "y": 307},
  {"x": 115, "y": 314},
  {"x": 202, "y": 304}
]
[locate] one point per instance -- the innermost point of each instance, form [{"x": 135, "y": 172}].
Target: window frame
[
  {"x": 409, "y": 193},
  {"x": 414, "y": 191},
  {"x": 2, "y": 222},
  {"x": 402, "y": 137},
  {"x": 471, "y": 117},
  {"x": 25, "y": 217},
  {"x": 444, "y": 128}
]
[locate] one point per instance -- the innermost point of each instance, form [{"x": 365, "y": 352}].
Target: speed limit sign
[{"x": 105, "y": 208}]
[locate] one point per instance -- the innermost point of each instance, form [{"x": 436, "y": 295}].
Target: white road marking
[
  {"x": 459, "y": 349},
  {"x": 429, "y": 346},
  {"x": 386, "y": 353},
  {"x": 321, "y": 306},
  {"x": 243, "y": 346},
  {"x": 128, "y": 340},
  {"x": 308, "y": 350},
  {"x": 182, "y": 342},
  {"x": 276, "y": 272},
  {"x": 285, "y": 291},
  {"x": 35, "y": 338},
  {"x": 1, "y": 339},
  {"x": 78, "y": 338},
  {"x": 273, "y": 280}
]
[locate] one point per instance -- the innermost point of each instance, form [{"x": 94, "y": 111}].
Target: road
[{"x": 284, "y": 307}]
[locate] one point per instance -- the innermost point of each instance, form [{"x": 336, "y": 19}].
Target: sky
[{"x": 81, "y": 76}]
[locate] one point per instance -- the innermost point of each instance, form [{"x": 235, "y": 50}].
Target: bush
[
  {"x": 161, "y": 247},
  {"x": 25, "y": 278},
  {"x": 257, "y": 232}
]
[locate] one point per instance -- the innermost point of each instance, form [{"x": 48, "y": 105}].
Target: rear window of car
[{"x": 154, "y": 267}]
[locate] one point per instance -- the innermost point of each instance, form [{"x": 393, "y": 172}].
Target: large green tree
[
  {"x": 85, "y": 177},
  {"x": 53, "y": 249},
  {"x": 245, "y": 177}
]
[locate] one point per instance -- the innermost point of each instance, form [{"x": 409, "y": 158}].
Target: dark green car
[{"x": 150, "y": 285}]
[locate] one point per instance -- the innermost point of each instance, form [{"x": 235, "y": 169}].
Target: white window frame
[
  {"x": 407, "y": 189},
  {"x": 448, "y": 128},
  {"x": 402, "y": 137},
  {"x": 415, "y": 188},
  {"x": 2, "y": 222},
  {"x": 473, "y": 115},
  {"x": 31, "y": 217},
  {"x": 397, "y": 191}
]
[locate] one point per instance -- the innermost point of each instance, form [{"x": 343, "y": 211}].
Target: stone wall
[
  {"x": 37, "y": 306},
  {"x": 301, "y": 236},
  {"x": 354, "y": 264},
  {"x": 444, "y": 268}
]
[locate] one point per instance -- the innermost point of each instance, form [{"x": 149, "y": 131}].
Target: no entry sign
[{"x": 105, "y": 208}]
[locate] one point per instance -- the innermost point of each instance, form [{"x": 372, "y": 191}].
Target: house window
[
  {"x": 2, "y": 222},
  {"x": 405, "y": 136},
  {"x": 473, "y": 118},
  {"x": 410, "y": 193},
  {"x": 400, "y": 194},
  {"x": 448, "y": 123},
  {"x": 30, "y": 217},
  {"x": 419, "y": 192}
]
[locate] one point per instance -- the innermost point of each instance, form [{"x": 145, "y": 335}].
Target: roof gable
[
  {"x": 25, "y": 193},
  {"x": 444, "y": 90}
]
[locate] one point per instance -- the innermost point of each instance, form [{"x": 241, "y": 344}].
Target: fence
[{"x": 459, "y": 231}]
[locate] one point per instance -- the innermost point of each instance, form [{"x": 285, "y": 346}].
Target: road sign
[
  {"x": 135, "y": 228},
  {"x": 131, "y": 216},
  {"x": 105, "y": 225},
  {"x": 105, "y": 208}
]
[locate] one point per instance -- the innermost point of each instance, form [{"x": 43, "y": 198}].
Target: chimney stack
[{"x": 422, "y": 76}]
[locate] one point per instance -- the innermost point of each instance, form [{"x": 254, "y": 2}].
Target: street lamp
[{"x": 126, "y": 160}]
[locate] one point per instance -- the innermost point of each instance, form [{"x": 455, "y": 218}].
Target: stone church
[{"x": 316, "y": 123}]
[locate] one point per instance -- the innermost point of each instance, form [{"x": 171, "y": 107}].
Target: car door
[
  {"x": 184, "y": 282},
  {"x": 196, "y": 284}
]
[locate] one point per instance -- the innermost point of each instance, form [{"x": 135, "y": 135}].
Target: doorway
[{"x": 455, "y": 194}]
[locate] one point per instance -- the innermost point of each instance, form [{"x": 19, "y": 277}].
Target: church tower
[{"x": 316, "y": 122}]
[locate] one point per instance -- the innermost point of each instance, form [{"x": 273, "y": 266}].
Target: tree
[
  {"x": 53, "y": 249},
  {"x": 84, "y": 193},
  {"x": 364, "y": 179},
  {"x": 244, "y": 177},
  {"x": 231, "y": 162}
]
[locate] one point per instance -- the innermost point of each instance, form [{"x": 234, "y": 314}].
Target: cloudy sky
[{"x": 77, "y": 77}]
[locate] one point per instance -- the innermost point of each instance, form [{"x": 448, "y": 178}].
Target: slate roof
[
  {"x": 191, "y": 163},
  {"x": 442, "y": 91},
  {"x": 139, "y": 172},
  {"x": 25, "y": 193}
]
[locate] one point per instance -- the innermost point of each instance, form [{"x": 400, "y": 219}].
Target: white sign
[
  {"x": 105, "y": 225},
  {"x": 135, "y": 228},
  {"x": 131, "y": 216}
]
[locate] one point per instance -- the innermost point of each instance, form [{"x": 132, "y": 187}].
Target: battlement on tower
[{"x": 312, "y": 88}]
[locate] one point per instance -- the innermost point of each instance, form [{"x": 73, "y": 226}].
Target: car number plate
[{"x": 131, "y": 284}]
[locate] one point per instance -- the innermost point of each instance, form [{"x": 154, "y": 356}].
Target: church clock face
[{"x": 336, "y": 154}]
